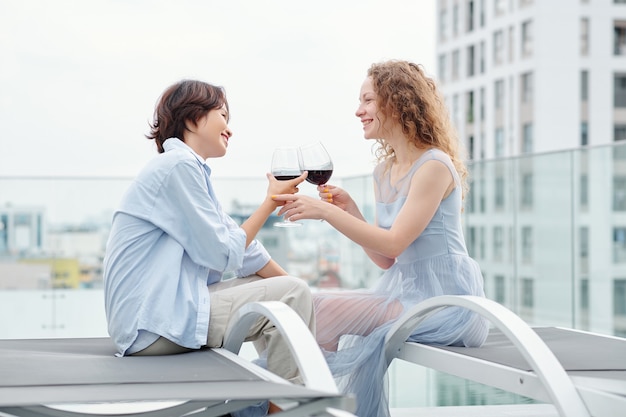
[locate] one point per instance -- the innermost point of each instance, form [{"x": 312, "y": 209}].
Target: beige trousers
[{"x": 228, "y": 296}]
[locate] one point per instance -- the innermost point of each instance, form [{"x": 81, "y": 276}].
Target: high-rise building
[
  {"x": 527, "y": 76},
  {"x": 537, "y": 92}
]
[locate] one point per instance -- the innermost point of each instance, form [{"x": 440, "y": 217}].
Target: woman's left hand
[{"x": 298, "y": 207}]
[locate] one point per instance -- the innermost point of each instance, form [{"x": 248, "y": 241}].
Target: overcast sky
[{"x": 79, "y": 79}]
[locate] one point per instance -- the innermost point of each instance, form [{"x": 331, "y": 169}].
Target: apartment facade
[{"x": 537, "y": 92}]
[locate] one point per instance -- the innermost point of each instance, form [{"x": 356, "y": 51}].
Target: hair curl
[
  {"x": 407, "y": 96},
  {"x": 186, "y": 100}
]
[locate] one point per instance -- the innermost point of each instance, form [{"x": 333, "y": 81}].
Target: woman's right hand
[{"x": 336, "y": 196}]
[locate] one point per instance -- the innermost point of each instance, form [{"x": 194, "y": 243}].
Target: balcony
[{"x": 548, "y": 230}]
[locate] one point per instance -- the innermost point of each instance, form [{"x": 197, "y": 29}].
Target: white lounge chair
[
  {"x": 82, "y": 377},
  {"x": 581, "y": 373}
]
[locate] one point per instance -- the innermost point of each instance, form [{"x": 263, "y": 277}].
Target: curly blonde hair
[{"x": 408, "y": 96}]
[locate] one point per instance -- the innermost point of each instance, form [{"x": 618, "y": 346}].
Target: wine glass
[
  {"x": 316, "y": 160},
  {"x": 286, "y": 166}
]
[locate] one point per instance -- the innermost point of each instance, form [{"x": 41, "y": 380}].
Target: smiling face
[
  {"x": 368, "y": 111},
  {"x": 209, "y": 136}
]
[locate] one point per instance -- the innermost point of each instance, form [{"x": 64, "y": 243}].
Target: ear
[{"x": 190, "y": 125}]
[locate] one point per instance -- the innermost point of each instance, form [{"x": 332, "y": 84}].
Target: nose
[
  {"x": 359, "y": 111},
  {"x": 229, "y": 132}
]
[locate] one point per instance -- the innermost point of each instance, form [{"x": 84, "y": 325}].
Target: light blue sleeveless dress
[{"x": 436, "y": 263}]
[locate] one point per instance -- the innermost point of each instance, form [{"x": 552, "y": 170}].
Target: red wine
[
  {"x": 319, "y": 176},
  {"x": 285, "y": 177}
]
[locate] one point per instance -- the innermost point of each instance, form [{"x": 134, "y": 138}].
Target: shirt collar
[{"x": 175, "y": 143}]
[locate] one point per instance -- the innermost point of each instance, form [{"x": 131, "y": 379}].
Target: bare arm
[
  {"x": 430, "y": 184},
  {"x": 271, "y": 269}
]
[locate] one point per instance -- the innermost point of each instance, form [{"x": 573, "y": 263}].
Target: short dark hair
[{"x": 187, "y": 100}]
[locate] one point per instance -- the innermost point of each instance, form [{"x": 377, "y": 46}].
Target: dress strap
[{"x": 437, "y": 155}]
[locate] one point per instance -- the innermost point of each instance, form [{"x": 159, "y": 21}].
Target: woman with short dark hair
[{"x": 171, "y": 243}]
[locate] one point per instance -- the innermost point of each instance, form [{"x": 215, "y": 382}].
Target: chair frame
[
  {"x": 572, "y": 395},
  {"x": 318, "y": 397}
]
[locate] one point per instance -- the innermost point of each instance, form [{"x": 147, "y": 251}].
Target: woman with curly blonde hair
[{"x": 417, "y": 238}]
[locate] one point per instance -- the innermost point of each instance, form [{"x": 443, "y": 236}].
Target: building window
[
  {"x": 499, "y": 7},
  {"x": 470, "y": 106},
  {"x": 584, "y": 134},
  {"x": 443, "y": 17},
  {"x": 527, "y": 244},
  {"x": 482, "y": 242},
  {"x": 455, "y": 109},
  {"x": 482, "y": 199},
  {"x": 619, "y": 133},
  {"x": 584, "y": 36},
  {"x": 619, "y": 37},
  {"x": 482, "y": 57},
  {"x": 511, "y": 43},
  {"x": 471, "y": 244},
  {"x": 482, "y": 13},
  {"x": 498, "y": 94},
  {"x": 619, "y": 90},
  {"x": 498, "y": 243},
  {"x": 470, "y": 15},
  {"x": 470, "y": 61},
  {"x": 584, "y": 249},
  {"x": 584, "y": 85},
  {"x": 527, "y": 38},
  {"x": 619, "y": 245},
  {"x": 584, "y": 190},
  {"x": 528, "y": 293},
  {"x": 470, "y": 147},
  {"x": 499, "y": 142},
  {"x": 442, "y": 67},
  {"x": 455, "y": 20},
  {"x": 470, "y": 200},
  {"x": 499, "y": 194},
  {"x": 482, "y": 145},
  {"x": 619, "y": 193},
  {"x": 455, "y": 64},
  {"x": 619, "y": 307},
  {"x": 482, "y": 104},
  {"x": 527, "y": 138},
  {"x": 499, "y": 287},
  {"x": 584, "y": 294},
  {"x": 498, "y": 47},
  {"x": 527, "y": 191},
  {"x": 527, "y": 87}
]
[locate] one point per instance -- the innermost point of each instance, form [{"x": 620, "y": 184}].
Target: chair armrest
[
  {"x": 307, "y": 354},
  {"x": 556, "y": 382}
]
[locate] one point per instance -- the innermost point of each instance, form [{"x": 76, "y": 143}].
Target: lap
[{"x": 228, "y": 296}]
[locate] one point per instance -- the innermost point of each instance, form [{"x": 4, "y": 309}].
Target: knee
[
  {"x": 294, "y": 283},
  {"x": 295, "y": 290}
]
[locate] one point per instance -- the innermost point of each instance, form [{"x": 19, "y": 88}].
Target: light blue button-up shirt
[{"x": 169, "y": 239}]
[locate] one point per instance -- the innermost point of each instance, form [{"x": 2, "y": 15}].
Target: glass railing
[{"x": 548, "y": 230}]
